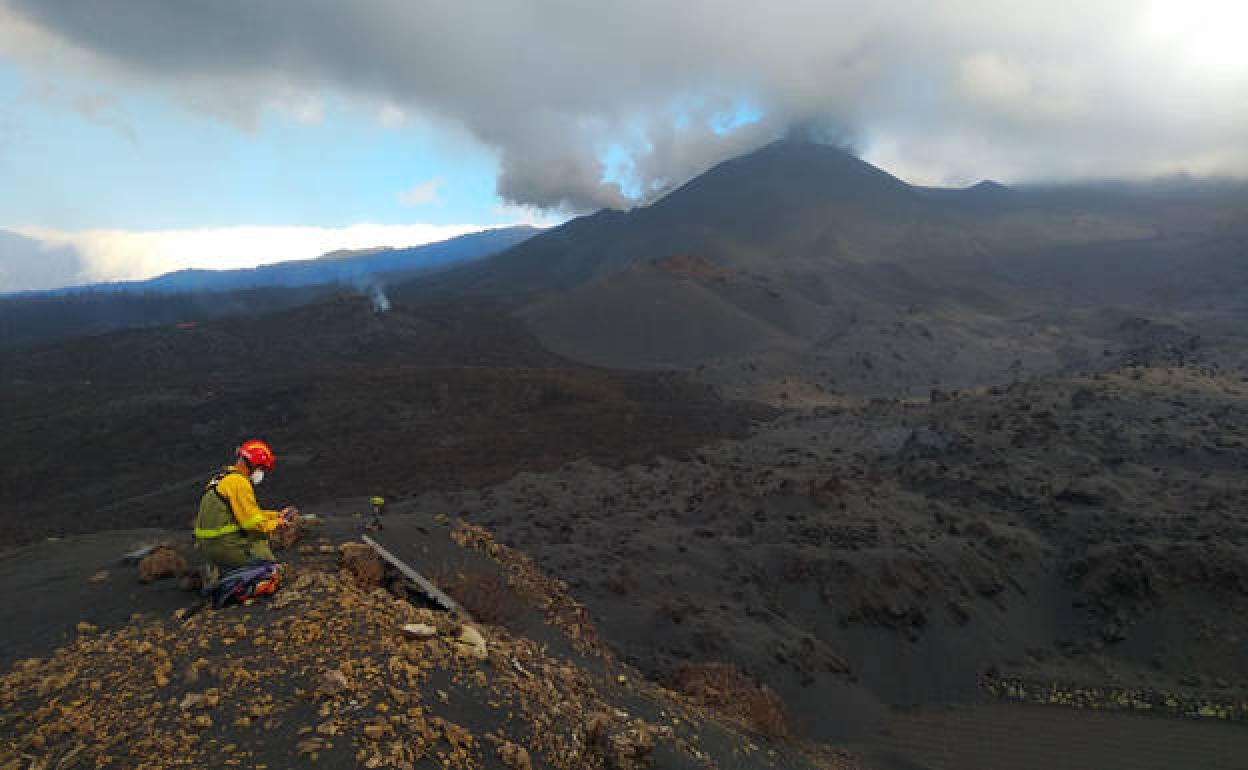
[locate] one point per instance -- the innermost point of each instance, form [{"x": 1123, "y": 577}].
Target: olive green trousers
[{"x": 236, "y": 549}]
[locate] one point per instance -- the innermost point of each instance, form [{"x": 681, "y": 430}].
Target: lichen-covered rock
[
  {"x": 363, "y": 563},
  {"x": 164, "y": 562}
]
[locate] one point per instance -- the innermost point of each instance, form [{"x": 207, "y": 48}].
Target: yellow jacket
[
  {"x": 238, "y": 491},
  {"x": 229, "y": 505}
]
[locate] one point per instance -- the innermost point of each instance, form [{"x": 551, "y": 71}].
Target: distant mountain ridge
[
  {"x": 34, "y": 317},
  {"x": 336, "y": 267}
]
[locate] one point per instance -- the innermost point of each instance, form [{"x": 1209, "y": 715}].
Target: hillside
[
  {"x": 898, "y": 573},
  {"x": 813, "y": 261},
  {"x": 1087, "y": 532},
  {"x": 774, "y": 204},
  {"x": 325, "y": 672},
  {"x": 360, "y": 401}
]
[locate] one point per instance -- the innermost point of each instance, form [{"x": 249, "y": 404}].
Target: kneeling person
[{"x": 231, "y": 528}]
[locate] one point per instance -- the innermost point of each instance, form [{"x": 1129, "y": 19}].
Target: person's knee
[
  {"x": 260, "y": 550},
  {"x": 229, "y": 560}
]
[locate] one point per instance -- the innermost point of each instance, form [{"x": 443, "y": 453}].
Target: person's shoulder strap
[{"x": 220, "y": 476}]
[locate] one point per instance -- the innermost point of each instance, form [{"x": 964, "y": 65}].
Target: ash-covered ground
[
  {"x": 1091, "y": 531},
  {"x": 1074, "y": 540}
]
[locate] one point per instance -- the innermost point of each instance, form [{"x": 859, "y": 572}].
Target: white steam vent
[{"x": 381, "y": 303}]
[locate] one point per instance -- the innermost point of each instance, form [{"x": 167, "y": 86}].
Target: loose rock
[
  {"x": 419, "y": 631},
  {"x": 472, "y": 644},
  {"x": 515, "y": 757}
]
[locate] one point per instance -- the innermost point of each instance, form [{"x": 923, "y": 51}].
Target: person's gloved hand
[{"x": 289, "y": 514}]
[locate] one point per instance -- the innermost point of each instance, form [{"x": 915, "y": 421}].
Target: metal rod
[{"x": 424, "y": 584}]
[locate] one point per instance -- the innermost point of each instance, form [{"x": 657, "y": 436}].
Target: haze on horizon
[{"x": 146, "y": 136}]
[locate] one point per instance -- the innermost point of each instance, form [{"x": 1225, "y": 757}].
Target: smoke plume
[{"x": 381, "y": 303}]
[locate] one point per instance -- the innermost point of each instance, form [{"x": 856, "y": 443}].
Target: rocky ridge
[{"x": 337, "y": 669}]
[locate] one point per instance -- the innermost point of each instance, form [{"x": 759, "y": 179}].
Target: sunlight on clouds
[
  {"x": 1206, "y": 35},
  {"x": 121, "y": 255},
  {"x": 1023, "y": 92}
]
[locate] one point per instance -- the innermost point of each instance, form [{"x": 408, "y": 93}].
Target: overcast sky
[{"x": 137, "y": 131}]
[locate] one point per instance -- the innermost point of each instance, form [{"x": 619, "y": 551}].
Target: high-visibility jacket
[{"x": 229, "y": 505}]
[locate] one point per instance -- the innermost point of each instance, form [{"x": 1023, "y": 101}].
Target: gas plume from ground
[{"x": 591, "y": 106}]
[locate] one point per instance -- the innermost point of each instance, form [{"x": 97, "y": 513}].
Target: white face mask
[{"x": 257, "y": 476}]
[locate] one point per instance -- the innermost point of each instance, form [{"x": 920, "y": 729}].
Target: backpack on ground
[{"x": 252, "y": 580}]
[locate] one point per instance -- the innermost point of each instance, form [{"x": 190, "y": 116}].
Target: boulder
[{"x": 163, "y": 562}]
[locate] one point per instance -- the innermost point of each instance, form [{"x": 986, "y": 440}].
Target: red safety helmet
[{"x": 257, "y": 454}]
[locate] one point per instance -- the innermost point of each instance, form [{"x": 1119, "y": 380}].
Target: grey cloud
[
  {"x": 1028, "y": 91},
  {"x": 557, "y": 180},
  {"x": 27, "y": 264}
]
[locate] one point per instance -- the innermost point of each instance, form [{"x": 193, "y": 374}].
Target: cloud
[
  {"x": 1032, "y": 90},
  {"x": 99, "y": 107},
  {"x": 391, "y": 115},
  {"x": 123, "y": 255},
  {"x": 1016, "y": 91},
  {"x": 422, "y": 194},
  {"x": 27, "y": 264}
]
